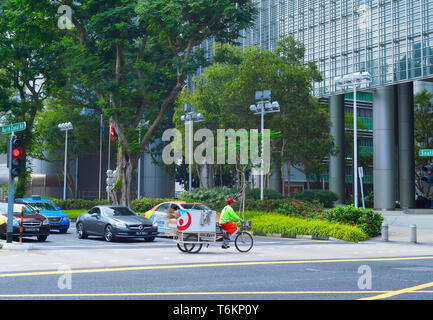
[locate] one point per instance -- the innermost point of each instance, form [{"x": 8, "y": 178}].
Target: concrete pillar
[
  {"x": 337, "y": 162},
  {"x": 384, "y": 148},
  {"x": 406, "y": 158},
  {"x": 275, "y": 180}
]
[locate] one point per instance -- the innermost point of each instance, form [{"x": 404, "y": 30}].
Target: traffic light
[
  {"x": 17, "y": 154},
  {"x": 428, "y": 169}
]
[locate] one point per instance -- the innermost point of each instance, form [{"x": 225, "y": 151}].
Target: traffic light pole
[{"x": 11, "y": 191}]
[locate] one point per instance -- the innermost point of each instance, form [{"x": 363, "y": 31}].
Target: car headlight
[
  {"x": 65, "y": 219},
  {"x": 45, "y": 222},
  {"x": 119, "y": 224}
]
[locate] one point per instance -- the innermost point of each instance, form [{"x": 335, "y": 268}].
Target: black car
[{"x": 112, "y": 222}]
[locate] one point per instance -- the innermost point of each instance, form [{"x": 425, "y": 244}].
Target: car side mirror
[{"x": 96, "y": 215}]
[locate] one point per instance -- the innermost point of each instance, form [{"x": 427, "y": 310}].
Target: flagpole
[
  {"x": 109, "y": 153},
  {"x": 100, "y": 155}
]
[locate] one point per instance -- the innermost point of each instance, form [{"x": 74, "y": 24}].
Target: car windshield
[
  {"x": 17, "y": 208},
  {"x": 44, "y": 206},
  {"x": 195, "y": 206},
  {"x": 118, "y": 211}
]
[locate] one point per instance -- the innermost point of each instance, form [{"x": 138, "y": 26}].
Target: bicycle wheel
[{"x": 244, "y": 242}]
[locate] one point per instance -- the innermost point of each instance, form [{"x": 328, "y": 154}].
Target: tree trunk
[
  {"x": 125, "y": 170},
  {"x": 283, "y": 189}
]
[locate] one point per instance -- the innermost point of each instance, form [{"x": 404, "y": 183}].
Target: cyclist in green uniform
[{"x": 227, "y": 216}]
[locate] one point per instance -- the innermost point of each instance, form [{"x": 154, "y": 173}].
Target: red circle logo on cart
[{"x": 184, "y": 222}]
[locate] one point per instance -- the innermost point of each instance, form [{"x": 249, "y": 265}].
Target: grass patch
[{"x": 74, "y": 213}]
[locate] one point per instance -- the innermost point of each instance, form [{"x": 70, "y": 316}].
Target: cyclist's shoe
[{"x": 225, "y": 246}]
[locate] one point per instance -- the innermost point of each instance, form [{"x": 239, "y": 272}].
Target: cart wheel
[
  {"x": 180, "y": 248},
  {"x": 193, "y": 248}
]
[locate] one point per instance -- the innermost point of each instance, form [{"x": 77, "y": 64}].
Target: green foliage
[
  {"x": 145, "y": 204},
  {"x": 275, "y": 223},
  {"x": 267, "y": 193},
  {"x": 326, "y": 197},
  {"x": 75, "y": 204},
  {"x": 368, "y": 220},
  {"x": 303, "y": 209}
]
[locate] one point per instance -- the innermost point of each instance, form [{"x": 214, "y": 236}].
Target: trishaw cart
[{"x": 194, "y": 228}]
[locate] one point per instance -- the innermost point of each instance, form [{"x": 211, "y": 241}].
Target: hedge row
[{"x": 277, "y": 223}]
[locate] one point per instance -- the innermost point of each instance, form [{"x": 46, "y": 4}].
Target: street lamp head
[
  {"x": 357, "y": 77},
  {"x": 366, "y": 76},
  {"x": 268, "y": 106},
  {"x": 187, "y": 107},
  {"x": 65, "y": 126},
  {"x": 182, "y": 118},
  {"x": 253, "y": 108},
  {"x": 276, "y": 106},
  {"x": 200, "y": 117}
]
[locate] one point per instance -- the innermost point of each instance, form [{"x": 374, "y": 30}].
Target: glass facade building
[{"x": 391, "y": 39}]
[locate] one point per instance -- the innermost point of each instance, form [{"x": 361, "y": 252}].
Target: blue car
[{"x": 58, "y": 220}]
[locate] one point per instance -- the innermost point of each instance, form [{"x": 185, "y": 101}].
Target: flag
[{"x": 111, "y": 129}]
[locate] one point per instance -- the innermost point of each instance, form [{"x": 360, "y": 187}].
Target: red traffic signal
[
  {"x": 429, "y": 176},
  {"x": 17, "y": 155}
]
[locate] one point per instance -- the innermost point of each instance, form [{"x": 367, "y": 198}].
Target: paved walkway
[{"x": 399, "y": 225}]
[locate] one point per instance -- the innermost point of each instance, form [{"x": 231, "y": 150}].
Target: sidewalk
[{"x": 399, "y": 222}]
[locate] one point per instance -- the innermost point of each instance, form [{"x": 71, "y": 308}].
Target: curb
[
  {"x": 16, "y": 246},
  {"x": 293, "y": 236}
]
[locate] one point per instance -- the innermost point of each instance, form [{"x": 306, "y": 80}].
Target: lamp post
[
  {"x": 190, "y": 117},
  {"x": 65, "y": 127},
  {"x": 354, "y": 81},
  {"x": 263, "y": 106}
]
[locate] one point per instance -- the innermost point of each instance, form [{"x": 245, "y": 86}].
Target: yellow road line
[
  {"x": 185, "y": 266},
  {"x": 181, "y": 293},
  {"x": 128, "y": 294},
  {"x": 401, "y": 291}
]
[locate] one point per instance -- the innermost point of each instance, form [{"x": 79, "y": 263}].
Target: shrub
[
  {"x": 302, "y": 209},
  {"x": 145, "y": 204},
  {"x": 276, "y": 223},
  {"x": 267, "y": 193},
  {"x": 324, "y": 196},
  {"x": 368, "y": 220},
  {"x": 71, "y": 204}
]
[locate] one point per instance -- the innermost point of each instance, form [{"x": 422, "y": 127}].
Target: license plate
[
  {"x": 139, "y": 233},
  {"x": 31, "y": 229}
]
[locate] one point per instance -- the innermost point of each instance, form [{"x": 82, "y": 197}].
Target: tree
[
  {"x": 30, "y": 61},
  {"x": 136, "y": 57},
  {"x": 423, "y": 125},
  {"x": 49, "y": 141},
  {"x": 224, "y": 92}
]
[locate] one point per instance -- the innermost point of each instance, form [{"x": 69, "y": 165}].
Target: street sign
[
  {"x": 13, "y": 127},
  {"x": 426, "y": 153}
]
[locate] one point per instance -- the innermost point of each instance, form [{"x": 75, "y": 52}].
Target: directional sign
[
  {"x": 13, "y": 127},
  {"x": 426, "y": 153}
]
